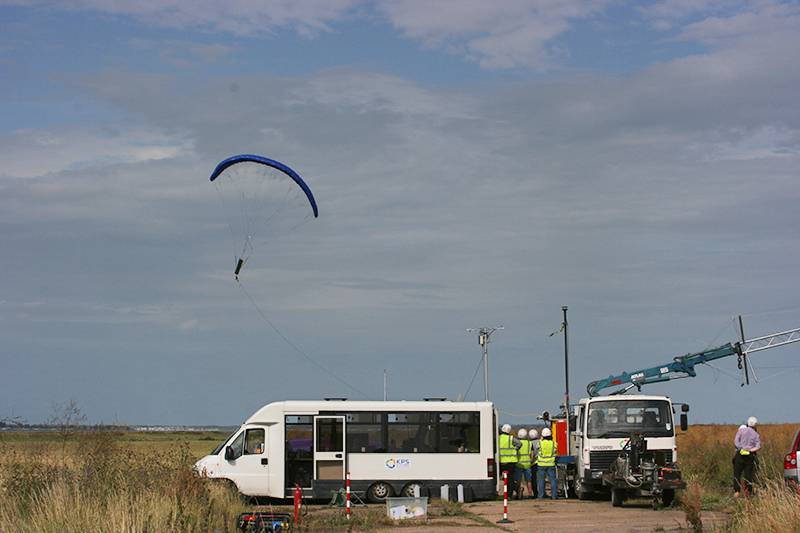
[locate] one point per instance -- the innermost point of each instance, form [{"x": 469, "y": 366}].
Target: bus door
[{"x": 329, "y": 447}]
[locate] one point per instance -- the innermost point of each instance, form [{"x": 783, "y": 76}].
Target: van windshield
[
  {"x": 222, "y": 444},
  {"x": 620, "y": 418}
]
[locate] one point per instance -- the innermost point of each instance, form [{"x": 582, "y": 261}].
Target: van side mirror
[
  {"x": 684, "y": 421},
  {"x": 572, "y": 422},
  {"x": 230, "y": 455}
]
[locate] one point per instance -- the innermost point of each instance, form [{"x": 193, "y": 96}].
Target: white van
[{"x": 388, "y": 448}]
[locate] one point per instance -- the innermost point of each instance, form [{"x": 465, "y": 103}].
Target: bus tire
[
  {"x": 408, "y": 490},
  {"x": 379, "y": 491}
]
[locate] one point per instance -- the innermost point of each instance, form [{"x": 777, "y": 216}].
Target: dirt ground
[{"x": 563, "y": 516}]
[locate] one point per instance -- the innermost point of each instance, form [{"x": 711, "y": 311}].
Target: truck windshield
[{"x": 620, "y": 418}]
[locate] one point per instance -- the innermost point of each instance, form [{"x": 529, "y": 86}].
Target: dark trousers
[
  {"x": 534, "y": 477},
  {"x": 744, "y": 469},
  {"x": 509, "y": 468}
]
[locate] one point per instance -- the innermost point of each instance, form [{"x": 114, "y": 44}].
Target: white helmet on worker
[
  {"x": 546, "y": 432},
  {"x": 533, "y": 434},
  {"x": 522, "y": 433},
  {"x": 752, "y": 421},
  {"x": 506, "y": 428}
]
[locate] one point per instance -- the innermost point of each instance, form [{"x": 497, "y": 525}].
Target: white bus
[{"x": 388, "y": 448}]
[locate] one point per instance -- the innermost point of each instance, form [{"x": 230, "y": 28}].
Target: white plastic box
[{"x": 404, "y": 508}]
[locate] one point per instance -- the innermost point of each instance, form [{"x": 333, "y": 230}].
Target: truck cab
[{"x": 603, "y": 428}]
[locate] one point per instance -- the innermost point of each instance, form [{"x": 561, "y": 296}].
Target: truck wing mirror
[
  {"x": 684, "y": 422},
  {"x": 572, "y": 422},
  {"x": 684, "y": 407},
  {"x": 230, "y": 455}
]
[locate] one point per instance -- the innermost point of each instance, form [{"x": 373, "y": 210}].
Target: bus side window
[{"x": 254, "y": 442}]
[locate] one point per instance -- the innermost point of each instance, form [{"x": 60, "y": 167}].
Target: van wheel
[
  {"x": 617, "y": 497},
  {"x": 408, "y": 490},
  {"x": 378, "y": 492}
]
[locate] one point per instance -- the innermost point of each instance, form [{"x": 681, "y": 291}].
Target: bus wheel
[
  {"x": 378, "y": 492},
  {"x": 408, "y": 490}
]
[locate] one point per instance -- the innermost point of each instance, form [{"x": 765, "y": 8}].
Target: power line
[{"x": 297, "y": 348}]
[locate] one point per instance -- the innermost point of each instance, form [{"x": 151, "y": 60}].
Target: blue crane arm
[{"x": 680, "y": 367}]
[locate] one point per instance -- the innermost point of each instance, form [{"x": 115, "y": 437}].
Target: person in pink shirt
[{"x": 747, "y": 442}]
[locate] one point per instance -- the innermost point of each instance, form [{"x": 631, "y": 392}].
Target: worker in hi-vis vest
[
  {"x": 546, "y": 464},
  {"x": 533, "y": 436},
  {"x": 508, "y": 446},
  {"x": 522, "y": 475}
]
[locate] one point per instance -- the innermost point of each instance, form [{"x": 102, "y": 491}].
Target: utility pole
[
  {"x": 385, "y": 378},
  {"x": 483, "y": 341},
  {"x": 566, "y": 364}
]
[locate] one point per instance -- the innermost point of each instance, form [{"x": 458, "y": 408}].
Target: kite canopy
[
  {"x": 251, "y": 158},
  {"x": 264, "y": 201}
]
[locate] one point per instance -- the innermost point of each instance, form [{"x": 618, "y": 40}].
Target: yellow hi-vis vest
[
  {"x": 508, "y": 453},
  {"x": 525, "y": 454},
  {"x": 547, "y": 453}
]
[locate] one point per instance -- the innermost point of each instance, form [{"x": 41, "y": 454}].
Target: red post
[
  {"x": 347, "y": 495},
  {"x": 298, "y": 501},
  {"x": 505, "y": 519}
]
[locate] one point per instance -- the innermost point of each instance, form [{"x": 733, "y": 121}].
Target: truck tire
[
  {"x": 617, "y": 497},
  {"x": 582, "y": 492},
  {"x": 667, "y": 497}
]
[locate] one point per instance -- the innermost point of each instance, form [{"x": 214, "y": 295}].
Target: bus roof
[{"x": 274, "y": 412}]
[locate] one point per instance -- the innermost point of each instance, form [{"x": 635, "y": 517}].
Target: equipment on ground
[{"x": 637, "y": 472}]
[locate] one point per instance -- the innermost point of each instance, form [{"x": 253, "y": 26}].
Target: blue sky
[{"x": 475, "y": 164}]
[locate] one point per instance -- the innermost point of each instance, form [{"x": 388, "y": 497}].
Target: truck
[{"x": 624, "y": 444}]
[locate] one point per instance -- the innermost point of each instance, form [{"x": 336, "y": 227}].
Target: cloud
[
  {"x": 510, "y": 34},
  {"x": 239, "y": 17},
  {"x": 33, "y": 152}
]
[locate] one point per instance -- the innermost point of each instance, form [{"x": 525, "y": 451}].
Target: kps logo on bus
[{"x": 393, "y": 463}]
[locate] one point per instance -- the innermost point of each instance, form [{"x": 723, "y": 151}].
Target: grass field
[{"x": 141, "y": 481}]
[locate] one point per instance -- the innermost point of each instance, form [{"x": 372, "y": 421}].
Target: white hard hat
[
  {"x": 506, "y": 428},
  {"x": 752, "y": 421},
  {"x": 522, "y": 433},
  {"x": 546, "y": 432},
  {"x": 533, "y": 434}
]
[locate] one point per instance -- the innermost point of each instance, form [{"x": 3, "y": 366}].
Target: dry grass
[
  {"x": 93, "y": 484},
  {"x": 109, "y": 481}
]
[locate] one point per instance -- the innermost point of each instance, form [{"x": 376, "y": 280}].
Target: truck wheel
[
  {"x": 378, "y": 492},
  {"x": 582, "y": 492},
  {"x": 617, "y": 497},
  {"x": 667, "y": 497}
]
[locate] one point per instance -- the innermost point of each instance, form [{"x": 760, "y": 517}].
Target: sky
[{"x": 476, "y": 164}]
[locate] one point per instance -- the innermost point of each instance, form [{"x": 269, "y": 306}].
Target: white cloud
[
  {"x": 513, "y": 33},
  {"x": 241, "y": 17},
  {"x": 34, "y": 152}
]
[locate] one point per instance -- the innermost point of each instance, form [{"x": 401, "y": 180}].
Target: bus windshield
[
  {"x": 221, "y": 444},
  {"x": 620, "y": 418}
]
